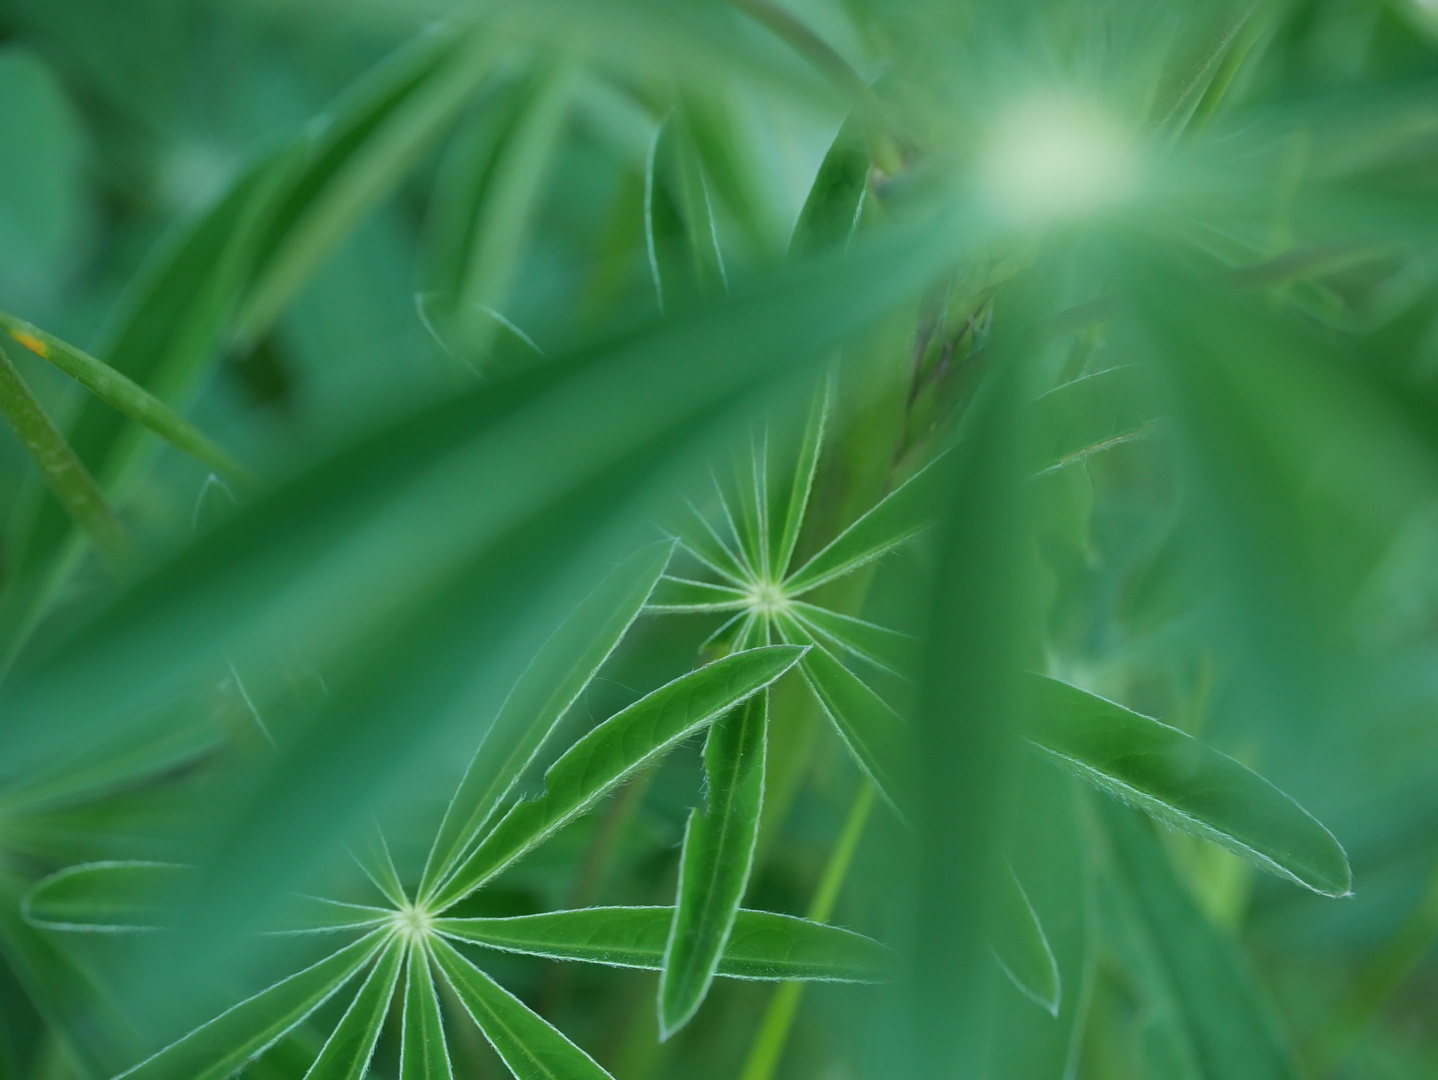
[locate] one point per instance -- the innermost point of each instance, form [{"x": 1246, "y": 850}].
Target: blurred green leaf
[
  {"x": 1022, "y": 948},
  {"x": 107, "y": 897}
]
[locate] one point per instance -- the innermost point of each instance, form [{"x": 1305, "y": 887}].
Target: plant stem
[
  {"x": 124, "y": 395},
  {"x": 836, "y": 69},
  {"x": 63, "y": 472},
  {"x": 773, "y": 1033}
]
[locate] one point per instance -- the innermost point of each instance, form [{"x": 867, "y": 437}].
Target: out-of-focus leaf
[
  {"x": 346, "y": 1055},
  {"x": 835, "y": 202},
  {"x": 684, "y": 256},
  {"x": 552, "y": 683},
  {"x": 220, "y": 1047},
  {"x": 1209, "y": 1010},
  {"x": 1179, "y": 780},
  {"x": 106, "y": 897},
  {"x": 761, "y": 944},
  {"x": 531, "y": 1047},
  {"x": 717, "y": 855},
  {"x": 1090, "y": 414},
  {"x": 423, "y": 1054},
  {"x": 624, "y": 743},
  {"x": 1022, "y": 948},
  {"x": 901, "y": 514}
]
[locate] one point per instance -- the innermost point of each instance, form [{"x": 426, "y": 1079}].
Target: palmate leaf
[
  {"x": 761, "y": 944},
  {"x": 717, "y": 856},
  {"x": 530, "y": 1046},
  {"x": 217, "y": 1049},
  {"x": 423, "y": 1054},
  {"x": 1211, "y": 1021},
  {"x": 553, "y": 681},
  {"x": 347, "y": 1052},
  {"x": 614, "y": 750},
  {"x": 1184, "y": 783}
]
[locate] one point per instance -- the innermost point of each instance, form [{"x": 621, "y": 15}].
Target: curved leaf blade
[
  {"x": 717, "y": 856},
  {"x": 554, "y": 680},
  {"x": 1022, "y": 948},
  {"x": 217, "y": 1049},
  {"x": 624, "y": 743},
  {"x": 761, "y": 945},
  {"x": 346, "y": 1054},
  {"x": 105, "y": 897},
  {"x": 531, "y": 1047},
  {"x": 1180, "y": 781}
]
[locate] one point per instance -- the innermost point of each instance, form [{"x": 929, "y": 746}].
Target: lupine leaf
[
  {"x": 531, "y": 1047},
  {"x": 714, "y": 865},
  {"x": 878, "y": 645},
  {"x": 706, "y": 546},
  {"x": 1184, "y": 783},
  {"x": 1090, "y": 414},
  {"x": 836, "y": 199},
  {"x": 423, "y": 1054},
  {"x": 684, "y": 257},
  {"x": 217, "y": 1049},
  {"x": 674, "y": 594},
  {"x": 1021, "y": 947},
  {"x": 624, "y": 743},
  {"x": 105, "y": 897},
  {"x": 874, "y": 733},
  {"x": 552, "y": 683},
  {"x": 761, "y": 945},
  {"x": 896, "y": 518},
  {"x": 788, "y": 502},
  {"x": 1208, "y": 1008},
  {"x": 346, "y": 1055}
]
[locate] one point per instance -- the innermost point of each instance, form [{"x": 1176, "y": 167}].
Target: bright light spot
[{"x": 1055, "y": 158}]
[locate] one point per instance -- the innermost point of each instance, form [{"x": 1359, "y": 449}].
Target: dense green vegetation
[{"x": 719, "y": 539}]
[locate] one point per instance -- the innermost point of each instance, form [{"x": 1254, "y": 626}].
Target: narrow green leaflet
[
  {"x": 550, "y": 685},
  {"x": 1179, "y": 780},
  {"x": 1210, "y": 1022},
  {"x": 347, "y": 1054},
  {"x": 874, "y": 733},
  {"x": 684, "y": 257},
  {"x": 105, "y": 897},
  {"x": 870, "y": 642},
  {"x": 836, "y": 200},
  {"x": 1090, "y": 414},
  {"x": 761, "y": 945},
  {"x": 531, "y": 1047},
  {"x": 714, "y": 868},
  {"x": 674, "y": 594},
  {"x": 900, "y": 514},
  {"x": 600, "y": 761},
  {"x": 375, "y": 860},
  {"x": 1021, "y": 947},
  {"x": 705, "y": 545},
  {"x": 220, "y": 1047},
  {"x": 787, "y": 503},
  {"x": 375, "y": 139},
  {"x": 423, "y": 1054}
]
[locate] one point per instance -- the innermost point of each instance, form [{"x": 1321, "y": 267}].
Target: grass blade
[
  {"x": 346, "y": 1055},
  {"x": 624, "y": 743},
  {"x": 423, "y": 1054},
  {"x": 717, "y": 856},
  {"x": 761, "y": 945},
  {"x": 531, "y": 1047},
  {"x": 215, "y": 1050},
  {"x": 1186, "y": 784},
  {"x": 551, "y": 684}
]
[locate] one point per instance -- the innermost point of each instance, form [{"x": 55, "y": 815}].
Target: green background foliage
[{"x": 722, "y": 539}]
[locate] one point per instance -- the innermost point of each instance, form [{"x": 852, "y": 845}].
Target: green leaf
[
  {"x": 1207, "y": 1018},
  {"x": 105, "y": 897},
  {"x": 217, "y": 1049},
  {"x": 1021, "y": 947},
  {"x": 714, "y": 864},
  {"x": 874, "y": 644},
  {"x": 761, "y": 945},
  {"x": 674, "y": 594},
  {"x": 376, "y": 137},
  {"x": 1184, "y": 783},
  {"x": 836, "y": 200},
  {"x": 423, "y": 1054},
  {"x": 1090, "y": 414},
  {"x": 550, "y": 685},
  {"x": 615, "y": 749},
  {"x": 875, "y": 734},
  {"x": 897, "y": 517},
  {"x": 788, "y": 503},
  {"x": 684, "y": 258},
  {"x": 531, "y": 1047},
  {"x": 346, "y": 1055}
]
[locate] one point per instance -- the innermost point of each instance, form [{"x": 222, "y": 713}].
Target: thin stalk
[
  {"x": 64, "y": 473},
  {"x": 836, "y": 69},
  {"x": 124, "y": 395},
  {"x": 1384, "y": 973},
  {"x": 773, "y": 1033}
]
